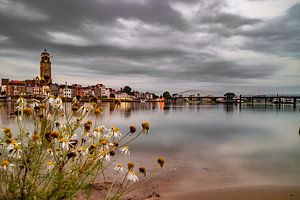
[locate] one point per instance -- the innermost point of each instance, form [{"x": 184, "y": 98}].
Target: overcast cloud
[{"x": 245, "y": 46}]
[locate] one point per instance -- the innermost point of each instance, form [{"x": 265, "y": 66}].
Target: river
[{"x": 247, "y": 145}]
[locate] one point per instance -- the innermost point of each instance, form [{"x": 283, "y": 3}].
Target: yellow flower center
[{"x": 4, "y": 163}]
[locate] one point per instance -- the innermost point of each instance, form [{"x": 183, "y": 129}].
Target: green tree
[
  {"x": 229, "y": 97},
  {"x": 167, "y": 95},
  {"x": 127, "y": 90}
]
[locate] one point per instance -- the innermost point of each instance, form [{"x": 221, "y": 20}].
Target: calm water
[{"x": 251, "y": 145}]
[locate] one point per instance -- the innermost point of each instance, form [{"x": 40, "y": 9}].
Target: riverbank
[{"x": 210, "y": 180}]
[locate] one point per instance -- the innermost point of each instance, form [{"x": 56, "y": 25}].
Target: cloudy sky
[{"x": 245, "y": 46}]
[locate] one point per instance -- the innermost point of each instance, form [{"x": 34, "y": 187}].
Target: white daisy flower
[
  {"x": 125, "y": 150},
  {"x": 97, "y": 133},
  {"x": 107, "y": 157},
  {"x": 132, "y": 177},
  {"x": 14, "y": 149},
  {"x": 66, "y": 144},
  {"x": 21, "y": 100},
  {"x": 116, "y": 132},
  {"x": 119, "y": 168},
  {"x": 85, "y": 108}
]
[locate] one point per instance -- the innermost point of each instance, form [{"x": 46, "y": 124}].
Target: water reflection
[{"x": 248, "y": 143}]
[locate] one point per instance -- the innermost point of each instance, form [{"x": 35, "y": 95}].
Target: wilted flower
[
  {"x": 112, "y": 153},
  {"x": 54, "y": 134},
  {"x": 93, "y": 99},
  {"x": 7, "y": 132},
  {"x": 130, "y": 165},
  {"x": 36, "y": 137},
  {"x": 142, "y": 170},
  {"x": 132, "y": 129},
  {"x": 125, "y": 150},
  {"x": 119, "y": 168},
  {"x": 132, "y": 177},
  {"x": 75, "y": 107},
  {"x": 71, "y": 154},
  {"x": 87, "y": 126},
  {"x": 28, "y": 111},
  {"x": 145, "y": 126},
  {"x": 161, "y": 162},
  {"x": 98, "y": 111}
]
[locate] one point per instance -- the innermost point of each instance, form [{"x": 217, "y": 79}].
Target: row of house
[{"x": 35, "y": 88}]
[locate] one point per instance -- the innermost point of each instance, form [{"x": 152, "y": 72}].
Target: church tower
[{"x": 45, "y": 67}]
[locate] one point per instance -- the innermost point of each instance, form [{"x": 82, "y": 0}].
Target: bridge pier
[{"x": 294, "y": 102}]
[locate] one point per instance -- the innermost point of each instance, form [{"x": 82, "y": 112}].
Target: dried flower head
[
  {"x": 75, "y": 107},
  {"x": 98, "y": 111},
  {"x": 112, "y": 153},
  {"x": 93, "y": 99},
  {"x": 161, "y": 162},
  {"x": 145, "y": 126},
  {"x": 5, "y": 163},
  {"x": 92, "y": 147},
  {"x": 35, "y": 137},
  {"x": 132, "y": 129},
  {"x": 87, "y": 126},
  {"x": 104, "y": 142},
  {"x": 115, "y": 144},
  {"x": 28, "y": 111},
  {"x": 7, "y": 132},
  {"x": 142, "y": 170},
  {"x": 54, "y": 134},
  {"x": 130, "y": 165},
  {"x": 71, "y": 154}
]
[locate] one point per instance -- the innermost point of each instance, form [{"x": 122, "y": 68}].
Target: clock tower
[{"x": 45, "y": 67}]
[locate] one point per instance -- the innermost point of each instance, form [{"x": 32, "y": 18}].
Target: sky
[{"x": 215, "y": 46}]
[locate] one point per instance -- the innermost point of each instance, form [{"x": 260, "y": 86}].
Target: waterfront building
[
  {"x": 4, "y": 85},
  {"x": 66, "y": 91},
  {"x": 16, "y": 87}
]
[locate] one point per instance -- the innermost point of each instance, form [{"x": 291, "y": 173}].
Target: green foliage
[
  {"x": 127, "y": 90},
  {"x": 167, "y": 95}
]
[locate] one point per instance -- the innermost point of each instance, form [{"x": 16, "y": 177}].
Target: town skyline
[{"x": 243, "y": 46}]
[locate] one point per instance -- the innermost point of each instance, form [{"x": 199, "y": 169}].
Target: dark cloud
[
  {"x": 146, "y": 38},
  {"x": 277, "y": 36}
]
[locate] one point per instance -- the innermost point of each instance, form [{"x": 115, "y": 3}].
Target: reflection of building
[{"x": 45, "y": 67}]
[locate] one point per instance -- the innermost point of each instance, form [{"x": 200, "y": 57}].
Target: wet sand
[{"x": 211, "y": 180}]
